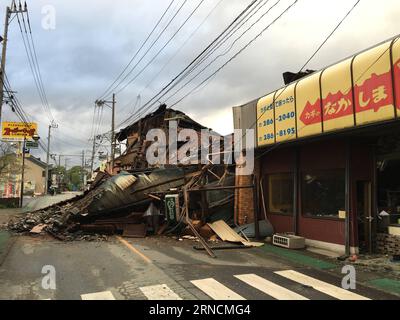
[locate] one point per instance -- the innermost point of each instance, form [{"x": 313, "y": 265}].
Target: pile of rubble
[
  {"x": 56, "y": 221},
  {"x": 133, "y": 198}
]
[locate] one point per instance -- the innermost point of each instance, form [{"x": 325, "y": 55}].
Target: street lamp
[{"x": 35, "y": 138}]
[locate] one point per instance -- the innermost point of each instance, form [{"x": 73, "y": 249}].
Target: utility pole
[
  {"x": 113, "y": 133},
  {"x": 3, "y": 58},
  {"x": 59, "y": 173},
  {"x": 46, "y": 181},
  {"x": 101, "y": 103},
  {"x": 83, "y": 170},
  {"x": 66, "y": 179},
  {"x": 54, "y": 126},
  {"x": 4, "y": 39},
  {"x": 21, "y": 199},
  {"x": 35, "y": 138},
  {"x": 92, "y": 158}
]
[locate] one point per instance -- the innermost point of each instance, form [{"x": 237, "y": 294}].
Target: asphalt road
[{"x": 158, "y": 268}]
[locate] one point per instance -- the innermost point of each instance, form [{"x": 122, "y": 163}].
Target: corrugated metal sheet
[
  {"x": 126, "y": 189},
  {"x": 244, "y": 117}
]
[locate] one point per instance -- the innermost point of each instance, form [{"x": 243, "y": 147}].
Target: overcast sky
[{"x": 94, "y": 39}]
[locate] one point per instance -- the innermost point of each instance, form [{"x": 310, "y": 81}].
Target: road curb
[{"x": 6, "y": 248}]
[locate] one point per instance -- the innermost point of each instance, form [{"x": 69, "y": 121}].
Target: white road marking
[
  {"x": 270, "y": 288},
  {"x": 216, "y": 290},
  {"x": 104, "y": 295},
  {"x": 321, "y": 286},
  {"x": 159, "y": 292}
]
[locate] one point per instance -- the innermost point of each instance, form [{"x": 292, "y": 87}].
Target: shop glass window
[
  {"x": 323, "y": 193},
  {"x": 280, "y": 191}
]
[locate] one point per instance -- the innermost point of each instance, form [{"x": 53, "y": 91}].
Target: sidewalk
[
  {"x": 6, "y": 214},
  {"x": 372, "y": 271},
  {"x": 5, "y": 237}
]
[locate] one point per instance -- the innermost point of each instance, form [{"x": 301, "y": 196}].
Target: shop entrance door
[{"x": 364, "y": 216}]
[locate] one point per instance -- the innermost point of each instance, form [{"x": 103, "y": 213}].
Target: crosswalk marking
[
  {"x": 321, "y": 286},
  {"x": 216, "y": 290},
  {"x": 104, "y": 295},
  {"x": 159, "y": 292},
  {"x": 270, "y": 288}
]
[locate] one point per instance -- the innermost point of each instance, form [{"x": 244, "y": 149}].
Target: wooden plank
[{"x": 228, "y": 234}]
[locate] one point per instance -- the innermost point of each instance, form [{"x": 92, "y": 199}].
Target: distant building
[
  {"x": 10, "y": 176},
  {"x": 35, "y": 176}
]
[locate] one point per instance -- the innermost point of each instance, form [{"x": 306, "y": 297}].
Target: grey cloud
[{"x": 94, "y": 39}]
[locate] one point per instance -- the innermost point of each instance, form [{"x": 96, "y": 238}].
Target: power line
[
  {"x": 147, "y": 51},
  {"x": 150, "y": 103},
  {"x": 226, "y": 51},
  {"x": 137, "y": 52},
  {"x": 308, "y": 60},
  {"x": 239, "y": 24},
  {"x": 238, "y": 53},
  {"x": 33, "y": 63},
  {"x": 186, "y": 41},
  {"x": 172, "y": 57},
  {"x": 18, "y": 109},
  {"x": 38, "y": 66},
  {"x": 330, "y": 35},
  {"x": 162, "y": 48},
  {"x": 231, "y": 59}
]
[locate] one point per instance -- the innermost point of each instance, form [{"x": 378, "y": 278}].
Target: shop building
[{"x": 328, "y": 152}]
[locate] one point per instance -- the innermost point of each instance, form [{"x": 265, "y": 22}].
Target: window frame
[
  {"x": 267, "y": 200},
  {"x": 301, "y": 193}
]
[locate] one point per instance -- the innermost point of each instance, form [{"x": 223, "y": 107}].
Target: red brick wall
[{"x": 244, "y": 201}]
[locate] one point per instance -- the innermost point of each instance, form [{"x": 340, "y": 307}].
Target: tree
[
  {"x": 7, "y": 158},
  {"x": 75, "y": 177},
  {"x": 10, "y": 167}
]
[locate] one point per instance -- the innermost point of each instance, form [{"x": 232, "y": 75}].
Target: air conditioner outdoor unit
[{"x": 288, "y": 241}]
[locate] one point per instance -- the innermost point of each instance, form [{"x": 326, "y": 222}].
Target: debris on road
[
  {"x": 134, "y": 198},
  {"x": 38, "y": 229},
  {"x": 226, "y": 233}
]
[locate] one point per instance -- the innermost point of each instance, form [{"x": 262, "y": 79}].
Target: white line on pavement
[
  {"x": 270, "y": 288},
  {"x": 216, "y": 290},
  {"x": 159, "y": 292},
  {"x": 104, "y": 295},
  {"x": 321, "y": 286}
]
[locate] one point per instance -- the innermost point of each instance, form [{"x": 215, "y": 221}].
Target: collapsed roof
[
  {"x": 158, "y": 119},
  {"x": 134, "y": 157}
]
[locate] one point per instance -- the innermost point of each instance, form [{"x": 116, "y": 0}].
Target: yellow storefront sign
[
  {"x": 266, "y": 121},
  {"x": 357, "y": 91},
  {"x": 16, "y": 131},
  {"x": 285, "y": 114}
]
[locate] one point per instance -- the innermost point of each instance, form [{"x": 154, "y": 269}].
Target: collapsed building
[{"x": 185, "y": 193}]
